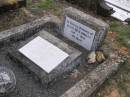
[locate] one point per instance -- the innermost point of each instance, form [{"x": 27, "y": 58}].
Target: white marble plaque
[
  {"x": 79, "y": 33},
  {"x": 43, "y": 53}
]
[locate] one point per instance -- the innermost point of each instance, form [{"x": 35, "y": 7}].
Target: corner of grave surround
[{"x": 29, "y": 29}]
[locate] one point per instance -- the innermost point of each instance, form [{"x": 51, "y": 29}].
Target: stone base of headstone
[
  {"x": 83, "y": 27},
  {"x": 66, "y": 66}
]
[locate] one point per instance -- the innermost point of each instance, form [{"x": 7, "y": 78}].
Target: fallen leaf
[
  {"x": 123, "y": 51},
  {"x": 128, "y": 88},
  {"x": 115, "y": 45},
  {"x": 100, "y": 56},
  {"x": 114, "y": 93},
  {"x": 112, "y": 36},
  {"x": 92, "y": 57}
]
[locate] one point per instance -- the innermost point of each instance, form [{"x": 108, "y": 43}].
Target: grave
[
  {"x": 89, "y": 79},
  {"x": 84, "y": 29},
  {"x": 46, "y": 56},
  {"x": 121, "y": 8}
]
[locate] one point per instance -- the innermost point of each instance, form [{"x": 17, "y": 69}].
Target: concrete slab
[
  {"x": 45, "y": 55},
  {"x": 73, "y": 60}
]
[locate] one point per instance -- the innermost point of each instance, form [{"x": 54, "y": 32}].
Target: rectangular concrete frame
[
  {"x": 89, "y": 83},
  {"x": 98, "y": 25},
  {"x": 67, "y": 65}
]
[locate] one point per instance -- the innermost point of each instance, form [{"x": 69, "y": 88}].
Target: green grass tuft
[
  {"x": 123, "y": 32},
  {"x": 47, "y": 4}
]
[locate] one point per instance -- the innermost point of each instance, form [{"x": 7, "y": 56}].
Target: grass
[
  {"x": 121, "y": 80},
  {"x": 123, "y": 32},
  {"x": 99, "y": 96},
  {"x": 50, "y": 6},
  {"x": 46, "y": 4}
]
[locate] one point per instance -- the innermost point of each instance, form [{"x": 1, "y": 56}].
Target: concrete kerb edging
[
  {"x": 91, "y": 82},
  {"x": 26, "y": 30}
]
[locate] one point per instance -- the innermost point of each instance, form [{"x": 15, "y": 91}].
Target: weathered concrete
[
  {"x": 26, "y": 30},
  {"x": 99, "y": 26},
  {"x": 91, "y": 82},
  {"x": 67, "y": 65}
]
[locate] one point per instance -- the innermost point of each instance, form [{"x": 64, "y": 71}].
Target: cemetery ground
[
  {"x": 119, "y": 84},
  {"x": 118, "y": 39}
]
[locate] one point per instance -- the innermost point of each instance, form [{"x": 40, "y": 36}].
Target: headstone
[
  {"x": 84, "y": 29},
  {"x": 7, "y": 81},
  {"x": 46, "y": 56}
]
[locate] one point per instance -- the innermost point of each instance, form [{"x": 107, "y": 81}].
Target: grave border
[{"x": 83, "y": 88}]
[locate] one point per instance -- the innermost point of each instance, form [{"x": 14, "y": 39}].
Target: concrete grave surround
[
  {"x": 84, "y": 88},
  {"x": 84, "y": 29},
  {"x": 56, "y": 57}
]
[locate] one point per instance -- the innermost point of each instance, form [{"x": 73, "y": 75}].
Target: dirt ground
[{"x": 119, "y": 84}]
